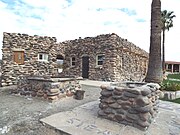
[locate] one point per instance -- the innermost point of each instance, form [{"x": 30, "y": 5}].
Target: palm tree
[
  {"x": 167, "y": 23},
  {"x": 154, "y": 73}
]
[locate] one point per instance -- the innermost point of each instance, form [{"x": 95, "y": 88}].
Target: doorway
[{"x": 85, "y": 66}]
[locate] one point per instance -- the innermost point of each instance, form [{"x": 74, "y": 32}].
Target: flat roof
[{"x": 172, "y": 62}]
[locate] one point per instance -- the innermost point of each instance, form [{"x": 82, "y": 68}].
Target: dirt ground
[{"x": 20, "y": 115}]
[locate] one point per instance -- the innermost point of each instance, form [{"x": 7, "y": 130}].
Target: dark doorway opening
[{"x": 85, "y": 66}]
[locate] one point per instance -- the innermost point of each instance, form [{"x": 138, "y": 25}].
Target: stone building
[{"x": 105, "y": 57}]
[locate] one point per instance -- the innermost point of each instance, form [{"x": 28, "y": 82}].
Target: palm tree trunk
[
  {"x": 163, "y": 52},
  {"x": 154, "y": 73}
]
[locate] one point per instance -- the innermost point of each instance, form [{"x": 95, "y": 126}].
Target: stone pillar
[
  {"x": 172, "y": 68},
  {"x": 130, "y": 105},
  {"x": 167, "y": 67}
]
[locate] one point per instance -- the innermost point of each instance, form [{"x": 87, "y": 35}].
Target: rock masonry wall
[
  {"x": 123, "y": 60},
  {"x": 46, "y": 87},
  {"x": 133, "y": 105},
  {"x": 31, "y": 46}
]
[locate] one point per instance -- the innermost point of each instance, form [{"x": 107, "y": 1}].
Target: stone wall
[
  {"x": 90, "y": 46},
  {"x": 123, "y": 60},
  {"x": 46, "y": 87},
  {"x": 130, "y": 105},
  {"x": 131, "y": 61},
  {"x": 31, "y": 46}
]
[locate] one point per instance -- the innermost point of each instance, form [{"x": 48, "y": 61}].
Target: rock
[
  {"x": 54, "y": 90},
  {"x": 120, "y": 89},
  {"x": 154, "y": 85},
  {"x": 144, "y": 109},
  {"x": 130, "y": 95},
  {"x": 33, "y": 94},
  {"x": 126, "y": 103},
  {"x": 103, "y": 87},
  {"x": 109, "y": 110},
  {"x": 131, "y": 85},
  {"x": 102, "y": 97},
  {"x": 109, "y": 100},
  {"x": 129, "y": 120},
  {"x": 45, "y": 96},
  {"x": 153, "y": 99},
  {"x": 126, "y": 107},
  {"x": 119, "y": 101},
  {"x": 119, "y": 117},
  {"x": 118, "y": 93},
  {"x": 145, "y": 116},
  {"x": 101, "y": 113},
  {"x": 134, "y": 91},
  {"x": 142, "y": 101},
  {"x": 117, "y": 97},
  {"x": 4, "y": 84},
  {"x": 109, "y": 88},
  {"x": 52, "y": 97},
  {"x": 53, "y": 94},
  {"x": 155, "y": 108},
  {"x": 111, "y": 117},
  {"x": 152, "y": 112},
  {"x": 144, "y": 124},
  {"x": 40, "y": 94},
  {"x": 153, "y": 94},
  {"x": 145, "y": 91},
  {"x": 69, "y": 94},
  {"x": 131, "y": 99},
  {"x": 156, "y": 97},
  {"x": 120, "y": 111},
  {"x": 124, "y": 98},
  {"x": 158, "y": 91},
  {"x": 115, "y": 105},
  {"x": 132, "y": 116},
  {"x": 133, "y": 111},
  {"x": 106, "y": 93},
  {"x": 103, "y": 105}
]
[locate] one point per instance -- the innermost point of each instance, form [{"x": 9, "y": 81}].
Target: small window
[
  {"x": 42, "y": 57},
  {"x": 73, "y": 61},
  {"x": 99, "y": 60},
  {"x": 60, "y": 63},
  {"x": 18, "y": 57}
]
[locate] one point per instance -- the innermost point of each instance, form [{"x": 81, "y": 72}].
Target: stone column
[
  {"x": 167, "y": 67},
  {"x": 172, "y": 68}
]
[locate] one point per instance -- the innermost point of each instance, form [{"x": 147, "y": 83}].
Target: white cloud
[{"x": 80, "y": 18}]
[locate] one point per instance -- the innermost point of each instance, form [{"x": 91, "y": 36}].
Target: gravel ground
[{"x": 20, "y": 115}]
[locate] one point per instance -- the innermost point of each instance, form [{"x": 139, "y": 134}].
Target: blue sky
[{"x": 71, "y": 19}]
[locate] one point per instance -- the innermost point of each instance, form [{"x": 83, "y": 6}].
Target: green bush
[{"x": 170, "y": 85}]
